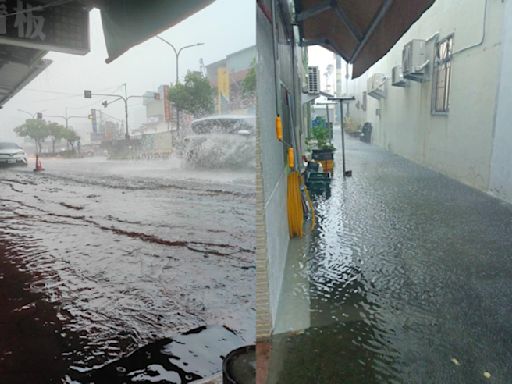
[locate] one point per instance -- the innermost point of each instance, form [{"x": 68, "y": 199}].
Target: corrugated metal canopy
[
  {"x": 127, "y": 23},
  {"x": 361, "y": 32},
  {"x": 18, "y": 66}
]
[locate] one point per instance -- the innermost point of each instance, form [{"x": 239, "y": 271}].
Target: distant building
[
  {"x": 105, "y": 127},
  {"x": 159, "y": 113},
  {"x": 226, "y": 76}
]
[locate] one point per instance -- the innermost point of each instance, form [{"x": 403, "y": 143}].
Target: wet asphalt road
[
  {"x": 104, "y": 257},
  {"x": 408, "y": 277}
]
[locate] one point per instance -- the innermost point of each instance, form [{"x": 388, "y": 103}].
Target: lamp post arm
[{"x": 170, "y": 45}]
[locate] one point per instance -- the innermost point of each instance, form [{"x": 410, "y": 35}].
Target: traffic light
[
  {"x": 87, "y": 94},
  {"x": 39, "y": 115},
  {"x": 105, "y": 104}
]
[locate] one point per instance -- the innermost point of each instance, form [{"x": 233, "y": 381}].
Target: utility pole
[
  {"x": 338, "y": 77},
  {"x": 177, "y": 54},
  {"x": 341, "y": 100},
  {"x": 67, "y": 118},
  {"x": 88, "y": 94}
]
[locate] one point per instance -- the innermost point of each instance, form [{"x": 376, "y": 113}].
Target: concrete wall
[
  {"x": 460, "y": 143},
  {"x": 290, "y": 68},
  {"x": 272, "y": 164},
  {"x": 501, "y": 163}
]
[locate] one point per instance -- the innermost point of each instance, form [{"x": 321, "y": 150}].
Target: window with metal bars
[{"x": 442, "y": 76}]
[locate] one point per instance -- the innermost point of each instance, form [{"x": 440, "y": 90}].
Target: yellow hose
[{"x": 295, "y": 211}]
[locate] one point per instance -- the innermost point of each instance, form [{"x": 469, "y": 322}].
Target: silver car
[
  {"x": 222, "y": 141},
  {"x": 12, "y": 154}
]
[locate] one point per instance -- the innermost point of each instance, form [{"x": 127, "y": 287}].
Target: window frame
[{"x": 442, "y": 66}]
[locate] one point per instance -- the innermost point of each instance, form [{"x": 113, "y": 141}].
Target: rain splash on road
[{"x": 127, "y": 253}]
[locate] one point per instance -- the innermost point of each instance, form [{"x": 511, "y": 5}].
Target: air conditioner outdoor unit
[
  {"x": 414, "y": 60},
  {"x": 377, "y": 86},
  {"x": 313, "y": 81},
  {"x": 397, "y": 78}
]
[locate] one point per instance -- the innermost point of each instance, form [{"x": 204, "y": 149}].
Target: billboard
[
  {"x": 167, "y": 104},
  {"x": 223, "y": 82},
  {"x": 94, "y": 121},
  {"x": 34, "y": 24}
]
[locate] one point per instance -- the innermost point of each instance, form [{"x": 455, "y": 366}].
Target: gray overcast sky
[{"x": 225, "y": 26}]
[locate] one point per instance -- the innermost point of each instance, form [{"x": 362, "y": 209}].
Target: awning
[
  {"x": 18, "y": 67},
  {"x": 127, "y": 23},
  {"x": 361, "y": 32}
]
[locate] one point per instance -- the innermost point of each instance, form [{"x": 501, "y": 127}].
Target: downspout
[
  {"x": 275, "y": 55},
  {"x": 294, "y": 112}
]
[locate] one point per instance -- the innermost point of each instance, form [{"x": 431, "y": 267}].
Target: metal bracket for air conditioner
[
  {"x": 422, "y": 77},
  {"x": 377, "y": 90}
]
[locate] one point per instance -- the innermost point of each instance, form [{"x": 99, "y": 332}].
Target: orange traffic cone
[{"x": 39, "y": 166}]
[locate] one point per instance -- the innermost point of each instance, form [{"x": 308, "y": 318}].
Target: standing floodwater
[
  {"x": 407, "y": 279},
  {"x": 112, "y": 256}
]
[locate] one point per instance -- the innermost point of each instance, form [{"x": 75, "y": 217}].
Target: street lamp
[{"x": 177, "y": 54}]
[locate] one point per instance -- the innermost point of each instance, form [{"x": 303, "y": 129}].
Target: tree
[
  {"x": 36, "y": 129},
  {"x": 56, "y": 132},
  {"x": 71, "y": 137},
  {"x": 249, "y": 82},
  {"x": 194, "y": 96}
]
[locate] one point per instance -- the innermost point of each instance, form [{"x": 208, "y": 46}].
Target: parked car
[
  {"x": 222, "y": 141},
  {"x": 12, "y": 154}
]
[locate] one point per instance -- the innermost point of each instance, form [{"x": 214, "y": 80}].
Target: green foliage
[
  {"x": 321, "y": 134},
  {"x": 57, "y": 132},
  {"x": 71, "y": 136},
  {"x": 39, "y": 130},
  {"x": 35, "y": 129},
  {"x": 194, "y": 96},
  {"x": 249, "y": 82}
]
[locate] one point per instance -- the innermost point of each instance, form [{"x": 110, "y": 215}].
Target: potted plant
[{"x": 325, "y": 149}]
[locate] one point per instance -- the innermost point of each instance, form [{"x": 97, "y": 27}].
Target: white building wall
[
  {"x": 501, "y": 163},
  {"x": 459, "y": 144},
  {"x": 272, "y": 165}
]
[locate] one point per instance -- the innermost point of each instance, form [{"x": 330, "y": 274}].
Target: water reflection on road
[
  {"x": 408, "y": 277},
  {"x": 131, "y": 252}
]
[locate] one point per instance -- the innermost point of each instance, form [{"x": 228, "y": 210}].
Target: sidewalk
[{"x": 407, "y": 278}]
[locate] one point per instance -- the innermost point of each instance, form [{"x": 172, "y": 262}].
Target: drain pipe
[{"x": 278, "y": 122}]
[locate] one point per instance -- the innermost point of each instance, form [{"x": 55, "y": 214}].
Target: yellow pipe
[
  {"x": 291, "y": 158},
  {"x": 279, "y": 128}
]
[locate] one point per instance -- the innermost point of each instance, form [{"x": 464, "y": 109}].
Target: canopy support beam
[
  {"x": 340, "y": 13},
  {"x": 375, "y": 22},
  {"x": 315, "y": 10}
]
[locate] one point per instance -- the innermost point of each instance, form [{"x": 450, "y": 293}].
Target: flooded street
[
  {"x": 101, "y": 258},
  {"x": 405, "y": 279}
]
